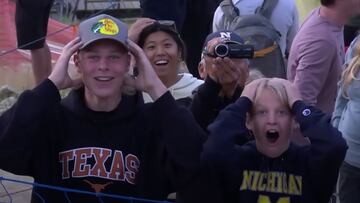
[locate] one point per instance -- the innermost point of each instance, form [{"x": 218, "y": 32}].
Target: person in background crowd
[
  {"x": 284, "y": 19},
  {"x": 193, "y": 20},
  {"x": 31, "y": 28},
  {"x": 165, "y": 50},
  {"x": 346, "y": 118},
  {"x": 305, "y": 7},
  {"x": 351, "y": 30},
  {"x": 224, "y": 77},
  {"x": 312, "y": 71}
]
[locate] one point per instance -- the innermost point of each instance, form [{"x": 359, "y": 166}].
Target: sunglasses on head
[{"x": 169, "y": 23}]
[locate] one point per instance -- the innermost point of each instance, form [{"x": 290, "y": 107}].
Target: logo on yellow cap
[{"x": 105, "y": 26}]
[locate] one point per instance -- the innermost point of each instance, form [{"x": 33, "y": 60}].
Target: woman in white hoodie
[{"x": 165, "y": 49}]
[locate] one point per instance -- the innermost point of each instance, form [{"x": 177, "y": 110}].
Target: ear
[
  {"x": 77, "y": 62},
  {"x": 180, "y": 55},
  {"x": 249, "y": 122},
  {"x": 201, "y": 69},
  {"x": 294, "y": 124},
  {"x": 130, "y": 62}
]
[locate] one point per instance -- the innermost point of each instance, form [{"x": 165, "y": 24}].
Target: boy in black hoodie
[
  {"x": 271, "y": 169},
  {"x": 98, "y": 139}
]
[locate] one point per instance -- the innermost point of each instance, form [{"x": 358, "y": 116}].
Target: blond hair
[
  {"x": 350, "y": 72},
  {"x": 275, "y": 86}
]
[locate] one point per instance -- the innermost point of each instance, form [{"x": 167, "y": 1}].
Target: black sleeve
[
  {"x": 21, "y": 126},
  {"x": 165, "y": 10},
  {"x": 207, "y": 104},
  {"x": 326, "y": 152},
  {"x": 221, "y": 148},
  {"x": 225, "y": 130},
  {"x": 182, "y": 137}
]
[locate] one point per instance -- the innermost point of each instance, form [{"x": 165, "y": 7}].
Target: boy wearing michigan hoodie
[{"x": 270, "y": 169}]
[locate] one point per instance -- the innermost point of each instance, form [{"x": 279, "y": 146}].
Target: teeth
[
  {"x": 103, "y": 78},
  {"x": 161, "y": 62},
  {"x": 272, "y": 131}
]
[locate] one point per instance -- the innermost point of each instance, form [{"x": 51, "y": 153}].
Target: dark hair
[
  {"x": 170, "y": 30},
  {"x": 327, "y": 2}
]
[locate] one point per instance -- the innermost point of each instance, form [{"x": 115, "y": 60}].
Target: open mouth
[
  {"x": 103, "y": 78},
  {"x": 161, "y": 62},
  {"x": 272, "y": 136}
]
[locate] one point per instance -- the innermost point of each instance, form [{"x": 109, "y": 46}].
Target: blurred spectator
[
  {"x": 284, "y": 18},
  {"x": 193, "y": 20},
  {"x": 31, "y": 29},
  {"x": 317, "y": 52}
]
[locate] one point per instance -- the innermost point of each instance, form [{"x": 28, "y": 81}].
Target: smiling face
[
  {"x": 103, "y": 65},
  {"x": 271, "y": 122},
  {"x": 164, "y": 54}
]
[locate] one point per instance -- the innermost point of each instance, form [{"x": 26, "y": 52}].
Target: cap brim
[{"x": 94, "y": 40}]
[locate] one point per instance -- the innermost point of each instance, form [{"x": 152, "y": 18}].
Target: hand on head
[
  {"x": 145, "y": 79},
  {"x": 292, "y": 92},
  {"x": 136, "y": 28},
  {"x": 250, "y": 89},
  {"x": 60, "y": 76}
]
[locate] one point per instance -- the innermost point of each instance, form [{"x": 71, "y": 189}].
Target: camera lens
[{"x": 221, "y": 50}]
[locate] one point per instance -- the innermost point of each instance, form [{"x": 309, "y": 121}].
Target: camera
[{"x": 234, "y": 50}]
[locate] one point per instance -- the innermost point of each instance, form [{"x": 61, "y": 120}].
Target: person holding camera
[{"x": 224, "y": 66}]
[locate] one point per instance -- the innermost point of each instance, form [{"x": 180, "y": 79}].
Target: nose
[
  {"x": 103, "y": 64},
  {"x": 160, "y": 50},
  {"x": 271, "y": 118}
]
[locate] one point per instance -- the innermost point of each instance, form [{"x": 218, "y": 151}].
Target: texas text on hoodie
[
  {"x": 137, "y": 150},
  {"x": 241, "y": 174}
]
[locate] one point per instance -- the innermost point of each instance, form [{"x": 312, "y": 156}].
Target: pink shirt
[{"x": 315, "y": 61}]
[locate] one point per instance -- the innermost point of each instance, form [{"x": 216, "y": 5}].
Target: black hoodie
[{"x": 135, "y": 150}]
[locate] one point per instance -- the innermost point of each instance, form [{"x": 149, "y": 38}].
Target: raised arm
[{"x": 326, "y": 152}]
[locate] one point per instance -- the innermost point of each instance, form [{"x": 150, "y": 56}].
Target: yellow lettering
[
  {"x": 266, "y": 199},
  {"x": 299, "y": 183},
  {"x": 292, "y": 185},
  {"x": 263, "y": 199},
  {"x": 284, "y": 182},
  {"x": 246, "y": 183},
  {"x": 255, "y": 180},
  {"x": 261, "y": 184},
  {"x": 283, "y": 200},
  {"x": 279, "y": 182},
  {"x": 270, "y": 187}
]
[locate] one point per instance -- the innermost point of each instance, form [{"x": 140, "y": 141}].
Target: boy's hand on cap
[
  {"x": 146, "y": 79},
  {"x": 60, "y": 76}
]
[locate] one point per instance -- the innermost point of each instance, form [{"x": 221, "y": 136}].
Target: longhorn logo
[{"x": 97, "y": 187}]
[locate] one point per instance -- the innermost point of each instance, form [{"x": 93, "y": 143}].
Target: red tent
[{"x": 14, "y": 59}]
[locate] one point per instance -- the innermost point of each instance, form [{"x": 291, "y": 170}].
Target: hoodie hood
[
  {"x": 185, "y": 86},
  {"x": 182, "y": 88},
  {"x": 75, "y": 103}
]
